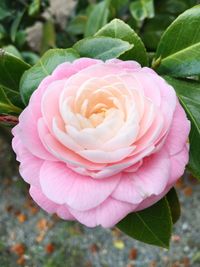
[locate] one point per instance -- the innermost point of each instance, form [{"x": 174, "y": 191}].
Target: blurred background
[{"x": 30, "y": 237}]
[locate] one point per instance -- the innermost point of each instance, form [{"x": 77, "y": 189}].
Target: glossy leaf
[
  {"x": 102, "y": 47},
  {"x": 44, "y": 67},
  {"x": 174, "y": 204},
  {"x": 142, "y": 9},
  {"x": 153, "y": 29},
  {"x": 16, "y": 24},
  {"x": 4, "y": 11},
  {"x": 11, "y": 69},
  {"x": 152, "y": 225},
  {"x": 6, "y": 106},
  {"x": 97, "y": 18},
  {"x": 118, "y": 4},
  {"x": 48, "y": 36},
  {"x": 12, "y": 50},
  {"x": 189, "y": 96},
  {"x": 179, "y": 47},
  {"x": 2, "y": 32},
  {"x": 77, "y": 25},
  {"x": 118, "y": 29},
  {"x": 34, "y": 7},
  {"x": 30, "y": 57}
]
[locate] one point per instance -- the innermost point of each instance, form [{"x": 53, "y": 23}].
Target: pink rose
[{"x": 99, "y": 140}]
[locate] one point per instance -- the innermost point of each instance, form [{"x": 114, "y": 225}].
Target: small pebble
[
  {"x": 18, "y": 249},
  {"x": 176, "y": 238},
  {"x": 133, "y": 254},
  {"x": 94, "y": 248},
  {"x": 188, "y": 191},
  {"x": 21, "y": 260},
  {"x": 21, "y": 218},
  {"x": 185, "y": 226},
  {"x": 119, "y": 244},
  {"x": 50, "y": 248},
  {"x": 152, "y": 264},
  {"x": 186, "y": 262}
]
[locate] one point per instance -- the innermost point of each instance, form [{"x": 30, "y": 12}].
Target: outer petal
[
  {"x": 30, "y": 137},
  {"x": 42, "y": 200},
  {"x": 178, "y": 163},
  {"x": 179, "y": 131},
  {"x": 108, "y": 214},
  {"x": 152, "y": 200},
  {"x": 129, "y": 64},
  {"x": 64, "y": 186},
  {"x": 150, "y": 179},
  {"x": 29, "y": 164},
  {"x": 48, "y": 205},
  {"x": 64, "y": 213}
]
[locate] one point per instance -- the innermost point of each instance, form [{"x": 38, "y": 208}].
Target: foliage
[{"x": 151, "y": 32}]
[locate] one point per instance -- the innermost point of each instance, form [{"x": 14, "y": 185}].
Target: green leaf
[
  {"x": 6, "y": 106},
  {"x": 153, "y": 29},
  {"x": 30, "y": 57},
  {"x": 118, "y": 4},
  {"x": 102, "y": 47},
  {"x": 15, "y": 25},
  {"x": 48, "y": 36},
  {"x": 152, "y": 225},
  {"x": 4, "y": 11},
  {"x": 77, "y": 25},
  {"x": 189, "y": 95},
  {"x": 44, "y": 67},
  {"x": 118, "y": 29},
  {"x": 2, "y": 32},
  {"x": 11, "y": 69},
  {"x": 179, "y": 47},
  {"x": 34, "y": 7},
  {"x": 97, "y": 18},
  {"x": 174, "y": 204},
  {"x": 142, "y": 9},
  {"x": 12, "y": 50}
]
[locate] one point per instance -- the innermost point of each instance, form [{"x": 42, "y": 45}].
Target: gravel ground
[{"x": 32, "y": 238}]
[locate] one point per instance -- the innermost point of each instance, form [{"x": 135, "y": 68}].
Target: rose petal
[
  {"x": 179, "y": 131},
  {"x": 62, "y": 185},
  {"x": 42, "y": 200},
  {"x": 108, "y": 214},
  {"x": 150, "y": 179}
]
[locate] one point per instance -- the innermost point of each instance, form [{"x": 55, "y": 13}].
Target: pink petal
[
  {"x": 62, "y": 185},
  {"x": 179, "y": 131},
  {"x": 36, "y": 97},
  {"x": 129, "y": 64},
  {"x": 150, "y": 179},
  {"x": 29, "y": 165},
  {"x": 178, "y": 163},
  {"x": 149, "y": 85},
  {"x": 42, "y": 200},
  {"x": 48, "y": 205},
  {"x": 30, "y": 137},
  {"x": 83, "y": 63},
  {"x": 108, "y": 214},
  {"x": 152, "y": 200},
  {"x": 64, "y": 71},
  {"x": 50, "y": 102},
  {"x": 64, "y": 213}
]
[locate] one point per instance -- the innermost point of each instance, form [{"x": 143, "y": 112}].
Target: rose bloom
[{"x": 99, "y": 140}]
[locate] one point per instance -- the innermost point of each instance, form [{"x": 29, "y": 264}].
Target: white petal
[{"x": 99, "y": 156}]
